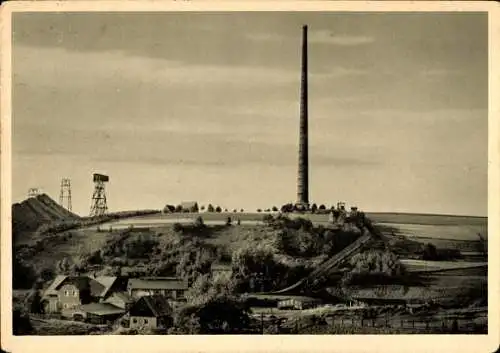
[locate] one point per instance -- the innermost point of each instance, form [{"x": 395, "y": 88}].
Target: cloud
[
  {"x": 316, "y": 36},
  {"x": 436, "y": 73},
  {"x": 64, "y": 68},
  {"x": 327, "y": 37}
]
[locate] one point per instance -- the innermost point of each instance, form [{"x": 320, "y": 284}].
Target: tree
[
  {"x": 221, "y": 314},
  {"x": 259, "y": 210},
  {"x": 202, "y": 208},
  {"x": 199, "y": 222},
  {"x": 210, "y": 208},
  {"x": 242, "y": 210},
  {"x": 36, "y": 303},
  {"x": 287, "y": 208},
  {"x": 430, "y": 252},
  {"x": 228, "y": 221},
  {"x": 314, "y": 208},
  {"x": 322, "y": 207},
  {"x": 178, "y": 208},
  {"x": 275, "y": 209},
  {"x": 23, "y": 275},
  {"x": 218, "y": 209},
  {"x": 169, "y": 209},
  {"x": 65, "y": 266},
  {"x": 46, "y": 274},
  {"x": 178, "y": 227}
]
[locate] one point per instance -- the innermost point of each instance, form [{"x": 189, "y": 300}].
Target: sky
[{"x": 205, "y": 106}]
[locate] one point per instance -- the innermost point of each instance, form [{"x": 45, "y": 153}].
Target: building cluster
[{"x": 146, "y": 302}]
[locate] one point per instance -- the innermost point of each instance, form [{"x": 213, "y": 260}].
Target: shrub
[
  {"x": 199, "y": 222},
  {"x": 169, "y": 209},
  {"x": 218, "y": 209},
  {"x": 210, "y": 208},
  {"x": 219, "y": 315},
  {"x": 178, "y": 227}
]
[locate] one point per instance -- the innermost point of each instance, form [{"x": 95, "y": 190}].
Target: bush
[
  {"x": 373, "y": 267},
  {"x": 210, "y": 208},
  {"x": 178, "y": 227},
  {"x": 221, "y": 315},
  {"x": 169, "y": 209},
  {"x": 218, "y": 209},
  {"x": 199, "y": 222}
]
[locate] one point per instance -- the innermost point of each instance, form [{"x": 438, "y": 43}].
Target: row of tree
[{"x": 195, "y": 208}]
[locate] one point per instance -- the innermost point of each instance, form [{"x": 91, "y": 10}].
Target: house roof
[
  {"x": 124, "y": 296},
  {"x": 156, "y": 305},
  {"x": 107, "y": 282},
  {"x": 82, "y": 283},
  {"x": 101, "y": 309},
  {"x": 221, "y": 267},
  {"x": 51, "y": 290},
  {"x": 157, "y": 283}
]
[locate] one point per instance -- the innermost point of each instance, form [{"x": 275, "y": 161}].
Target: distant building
[
  {"x": 298, "y": 303},
  {"x": 170, "y": 287},
  {"x": 151, "y": 312},
  {"x": 189, "y": 206},
  {"x": 219, "y": 269}
]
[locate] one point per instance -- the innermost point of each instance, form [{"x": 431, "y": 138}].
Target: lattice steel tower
[
  {"x": 99, "y": 205},
  {"x": 33, "y": 192},
  {"x": 65, "y": 194}
]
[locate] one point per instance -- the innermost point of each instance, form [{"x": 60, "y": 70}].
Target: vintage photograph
[{"x": 250, "y": 173}]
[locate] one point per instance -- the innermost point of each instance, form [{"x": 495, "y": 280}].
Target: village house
[
  {"x": 170, "y": 287},
  {"x": 151, "y": 312},
  {"x": 71, "y": 296},
  {"x": 221, "y": 270}
]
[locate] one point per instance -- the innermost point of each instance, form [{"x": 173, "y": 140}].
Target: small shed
[{"x": 100, "y": 313}]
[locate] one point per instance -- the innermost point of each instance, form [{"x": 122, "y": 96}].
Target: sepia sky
[{"x": 187, "y": 106}]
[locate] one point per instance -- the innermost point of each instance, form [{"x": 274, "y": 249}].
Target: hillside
[{"x": 30, "y": 214}]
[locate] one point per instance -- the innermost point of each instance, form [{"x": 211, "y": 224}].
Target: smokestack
[{"x": 303, "y": 170}]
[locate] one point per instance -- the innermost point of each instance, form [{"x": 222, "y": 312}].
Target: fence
[{"x": 379, "y": 325}]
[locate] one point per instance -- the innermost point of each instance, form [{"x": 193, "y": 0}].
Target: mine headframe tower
[
  {"x": 99, "y": 205},
  {"x": 65, "y": 194}
]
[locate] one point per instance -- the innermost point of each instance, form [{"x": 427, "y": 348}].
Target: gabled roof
[
  {"x": 107, "y": 282},
  {"x": 101, "y": 309},
  {"x": 123, "y": 296},
  {"x": 157, "y": 283},
  {"x": 153, "y": 306},
  {"x": 221, "y": 267},
  {"x": 83, "y": 283},
  {"x": 51, "y": 290}
]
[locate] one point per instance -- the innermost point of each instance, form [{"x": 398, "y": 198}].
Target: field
[{"x": 454, "y": 227}]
